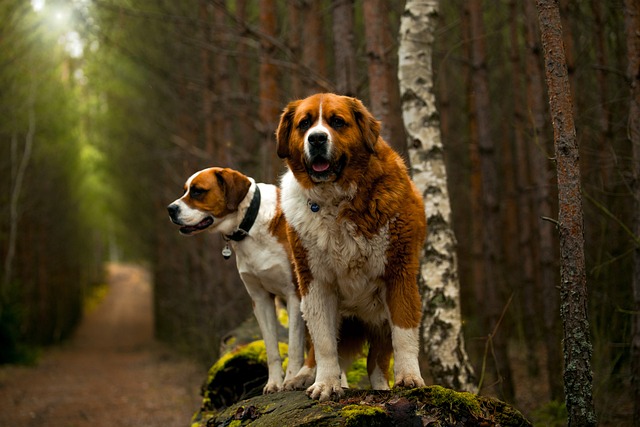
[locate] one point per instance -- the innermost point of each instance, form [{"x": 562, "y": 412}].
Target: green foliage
[
  {"x": 552, "y": 414},
  {"x": 51, "y": 238},
  {"x": 358, "y": 371},
  {"x": 13, "y": 346}
]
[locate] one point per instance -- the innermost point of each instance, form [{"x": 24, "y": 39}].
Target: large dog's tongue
[{"x": 320, "y": 166}]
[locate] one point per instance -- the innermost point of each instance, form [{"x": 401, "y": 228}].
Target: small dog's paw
[
  {"x": 270, "y": 388},
  {"x": 303, "y": 379},
  {"x": 324, "y": 391},
  {"x": 409, "y": 381},
  {"x": 299, "y": 382}
]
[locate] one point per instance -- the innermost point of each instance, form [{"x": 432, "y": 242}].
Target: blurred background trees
[{"x": 164, "y": 88}]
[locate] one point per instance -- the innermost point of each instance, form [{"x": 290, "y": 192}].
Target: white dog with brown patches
[
  {"x": 356, "y": 224},
  {"x": 249, "y": 217}
]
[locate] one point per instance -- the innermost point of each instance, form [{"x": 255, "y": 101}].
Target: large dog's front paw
[
  {"x": 409, "y": 381},
  {"x": 271, "y": 387},
  {"x": 303, "y": 379},
  {"x": 324, "y": 391}
]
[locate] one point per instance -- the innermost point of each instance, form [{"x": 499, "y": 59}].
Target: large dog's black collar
[{"x": 249, "y": 218}]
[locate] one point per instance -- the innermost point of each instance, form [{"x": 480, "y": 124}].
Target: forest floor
[{"x": 111, "y": 373}]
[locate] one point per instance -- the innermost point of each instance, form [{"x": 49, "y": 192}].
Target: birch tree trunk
[
  {"x": 442, "y": 323},
  {"x": 573, "y": 282},
  {"x": 17, "y": 176}
]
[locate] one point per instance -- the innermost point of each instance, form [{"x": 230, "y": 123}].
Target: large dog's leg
[
  {"x": 379, "y": 357},
  {"x": 405, "y": 352},
  {"x": 265, "y": 312},
  {"x": 404, "y": 318},
  {"x": 320, "y": 310},
  {"x": 296, "y": 338},
  {"x": 404, "y": 306}
]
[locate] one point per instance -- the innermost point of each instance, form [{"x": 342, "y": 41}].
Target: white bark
[
  {"x": 442, "y": 324},
  {"x": 17, "y": 180}
]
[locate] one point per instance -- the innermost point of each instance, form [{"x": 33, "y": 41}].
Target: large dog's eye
[
  {"x": 304, "y": 124},
  {"x": 197, "y": 192},
  {"x": 336, "y": 122}
]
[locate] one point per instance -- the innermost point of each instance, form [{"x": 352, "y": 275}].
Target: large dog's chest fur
[{"x": 338, "y": 255}]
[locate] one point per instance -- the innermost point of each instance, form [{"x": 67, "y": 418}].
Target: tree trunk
[
  {"x": 491, "y": 239},
  {"x": 221, "y": 116},
  {"x": 442, "y": 324},
  {"x": 204, "y": 15},
  {"x": 269, "y": 108},
  {"x": 475, "y": 176},
  {"x": 374, "y": 42},
  {"x": 345, "y": 56},
  {"x": 540, "y": 153},
  {"x": 632, "y": 24},
  {"x": 313, "y": 47},
  {"x": 573, "y": 286},
  {"x": 18, "y": 175},
  {"x": 245, "y": 111},
  {"x": 525, "y": 250},
  {"x": 383, "y": 89}
]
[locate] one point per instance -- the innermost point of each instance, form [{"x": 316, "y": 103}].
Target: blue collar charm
[{"x": 313, "y": 206}]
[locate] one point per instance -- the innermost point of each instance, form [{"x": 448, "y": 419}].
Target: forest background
[{"x": 107, "y": 106}]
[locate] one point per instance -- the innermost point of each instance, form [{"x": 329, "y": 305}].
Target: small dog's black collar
[{"x": 249, "y": 218}]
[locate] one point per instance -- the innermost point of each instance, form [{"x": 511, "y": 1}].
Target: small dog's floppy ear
[
  {"x": 283, "y": 133},
  {"x": 234, "y": 186},
  {"x": 369, "y": 126}
]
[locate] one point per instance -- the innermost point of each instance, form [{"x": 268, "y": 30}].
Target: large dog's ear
[
  {"x": 234, "y": 185},
  {"x": 369, "y": 126},
  {"x": 283, "y": 133}
]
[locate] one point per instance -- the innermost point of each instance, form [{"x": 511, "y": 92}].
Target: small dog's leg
[
  {"x": 265, "y": 312},
  {"x": 296, "y": 337}
]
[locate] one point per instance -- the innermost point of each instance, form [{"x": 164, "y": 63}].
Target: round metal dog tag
[{"x": 226, "y": 252}]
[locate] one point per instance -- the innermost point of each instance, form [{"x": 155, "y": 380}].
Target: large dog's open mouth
[
  {"x": 190, "y": 229},
  {"x": 321, "y": 169}
]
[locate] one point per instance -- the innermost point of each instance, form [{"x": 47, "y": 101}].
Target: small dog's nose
[
  {"x": 173, "y": 210},
  {"x": 318, "y": 139}
]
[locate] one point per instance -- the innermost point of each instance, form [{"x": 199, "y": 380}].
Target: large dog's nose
[{"x": 318, "y": 139}]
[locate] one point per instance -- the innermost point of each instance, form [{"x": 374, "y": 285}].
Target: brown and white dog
[
  {"x": 356, "y": 224},
  {"x": 248, "y": 215}
]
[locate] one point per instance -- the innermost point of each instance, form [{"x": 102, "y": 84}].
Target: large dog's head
[
  {"x": 209, "y": 196},
  {"x": 325, "y": 137}
]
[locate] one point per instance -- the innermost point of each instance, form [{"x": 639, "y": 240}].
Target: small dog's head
[{"x": 209, "y": 196}]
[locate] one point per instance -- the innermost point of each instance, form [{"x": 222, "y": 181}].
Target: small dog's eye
[
  {"x": 196, "y": 191},
  {"x": 336, "y": 122},
  {"x": 304, "y": 124}
]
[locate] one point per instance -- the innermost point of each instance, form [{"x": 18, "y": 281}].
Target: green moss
[
  {"x": 283, "y": 317},
  {"x": 363, "y": 415},
  {"x": 455, "y": 400},
  {"x": 254, "y": 351}
]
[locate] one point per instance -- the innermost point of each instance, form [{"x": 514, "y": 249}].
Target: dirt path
[{"x": 112, "y": 373}]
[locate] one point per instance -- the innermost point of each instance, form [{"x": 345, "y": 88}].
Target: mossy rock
[
  {"x": 233, "y": 397},
  {"x": 426, "y": 406},
  {"x": 238, "y": 375}
]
